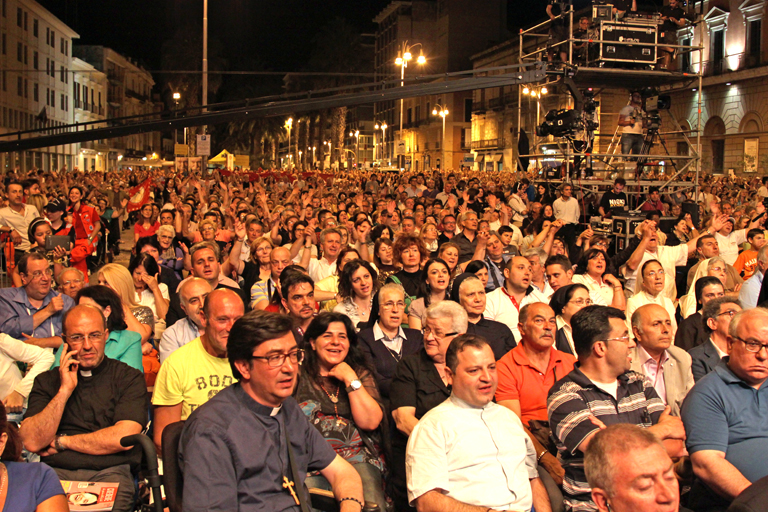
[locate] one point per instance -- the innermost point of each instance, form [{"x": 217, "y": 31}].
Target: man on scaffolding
[
  {"x": 632, "y": 119},
  {"x": 674, "y": 18}
]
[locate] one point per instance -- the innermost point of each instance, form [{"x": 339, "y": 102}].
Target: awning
[
  {"x": 221, "y": 158},
  {"x": 479, "y": 158},
  {"x": 496, "y": 158}
]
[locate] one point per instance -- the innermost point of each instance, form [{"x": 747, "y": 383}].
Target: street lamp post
[
  {"x": 402, "y": 60},
  {"x": 441, "y": 111},
  {"x": 383, "y": 144},
  {"x": 288, "y": 125},
  {"x": 330, "y": 153},
  {"x": 301, "y": 166},
  {"x": 313, "y": 156},
  {"x": 176, "y": 98},
  {"x": 356, "y": 134}
]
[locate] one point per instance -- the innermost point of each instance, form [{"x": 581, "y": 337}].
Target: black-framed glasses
[
  {"x": 79, "y": 338},
  {"x": 730, "y": 313},
  {"x": 751, "y": 345},
  {"x": 278, "y": 360}
]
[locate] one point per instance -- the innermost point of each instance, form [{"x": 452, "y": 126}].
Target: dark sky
[{"x": 277, "y": 33}]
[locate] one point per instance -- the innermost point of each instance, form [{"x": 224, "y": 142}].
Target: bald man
[
  {"x": 193, "y": 374},
  {"x": 192, "y": 294},
  {"x": 667, "y": 366},
  {"x": 262, "y": 291},
  {"x": 78, "y": 412}
]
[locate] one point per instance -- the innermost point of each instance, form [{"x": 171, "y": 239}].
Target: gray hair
[
  {"x": 391, "y": 287},
  {"x": 608, "y": 446},
  {"x": 733, "y": 329},
  {"x": 716, "y": 259},
  {"x": 712, "y": 309},
  {"x": 329, "y": 231},
  {"x": 199, "y": 246},
  {"x": 762, "y": 254},
  {"x": 448, "y": 309},
  {"x": 69, "y": 269},
  {"x": 165, "y": 228},
  {"x": 537, "y": 251}
]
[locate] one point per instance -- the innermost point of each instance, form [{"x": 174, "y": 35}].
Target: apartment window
[
  {"x": 19, "y": 17},
  {"x": 19, "y": 86},
  {"x": 35, "y": 27},
  {"x": 35, "y": 92},
  {"x": 26, "y": 54},
  {"x": 53, "y": 39},
  {"x": 5, "y": 12},
  {"x": 19, "y": 52},
  {"x": 61, "y": 46},
  {"x": 25, "y": 19},
  {"x": 468, "y": 110},
  {"x": 48, "y": 97},
  {"x": 754, "y": 35},
  {"x": 417, "y": 114},
  {"x": 409, "y": 116},
  {"x": 63, "y": 103},
  {"x": 717, "y": 43},
  {"x": 718, "y": 155},
  {"x": 5, "y": 44},
  {"x": 685, "y": 57},
  {"x": 53, "y": 99},
  {"x": 26, "y": 88},
  {"x": 35, "y": 59},
  {"x": 61, "y": 77},
  {"x": 5, "y": 83},
  {"x": 47, "y": 35},
  {"x": 66, "y": 48}
]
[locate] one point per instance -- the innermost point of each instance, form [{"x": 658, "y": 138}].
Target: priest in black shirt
[
  {"x": 78, "y": 412},
  {"x": 614, "y": 201}
]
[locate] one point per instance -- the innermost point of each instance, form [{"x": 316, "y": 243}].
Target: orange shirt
[
  {"x": 519, "y": 380},
  {"x": 746, "y": 262}
]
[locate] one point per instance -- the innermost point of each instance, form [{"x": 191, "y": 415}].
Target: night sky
[{"x": 277, "y": 33}]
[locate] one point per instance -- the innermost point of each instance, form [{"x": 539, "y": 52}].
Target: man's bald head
[
  {"x": 85, "y": 331},
  {"x": 279, "y": 258},
  {"x": 221, "y": 297},
  {"x": 652, "y": 328}
]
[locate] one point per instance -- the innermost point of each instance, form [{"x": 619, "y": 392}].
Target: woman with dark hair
[
  {"x": 26, "y": 486},
  {"x": 691, "y": 331},
  {"x": 338, "y": 393},
  {"x": 383, "y": 259},
  {"x": 327, "y": 290},
  {"x": 382, "y": 231},
  {"x": 566, "y": 302},
  {"x": 432, "y": 289},
  {"x": 409, "y": 252},
  {"x": 149, "y": 291},
  {"x": 122, "y": 344},
  {"x": 480, "y": 269},
  {"x": 146, "y": 225},
  {"x": 594, "y": 273},
  {"x": 357, "y": 286}
]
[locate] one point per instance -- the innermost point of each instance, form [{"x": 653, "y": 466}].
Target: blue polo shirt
[{"x": 724, "y": 413}]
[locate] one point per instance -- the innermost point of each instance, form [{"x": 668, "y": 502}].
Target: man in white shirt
[
  {"x": 192, "y": 294},
  {"x": 566, "y": 208},
  {"x": 729, "y": 240},
  {"x": 16, "y": 217},
  {"x": 503, "y": 304},
  {"x": 666, "y": 366},
  {"x": 652, "y": 292},
  {"x": 469, "y": 451},
  {"x": 14, "y": 389},
  {"x": 631, "y": 119},
  {"x": 763, "y": 190},
  {"x": 330, "y": 242}
]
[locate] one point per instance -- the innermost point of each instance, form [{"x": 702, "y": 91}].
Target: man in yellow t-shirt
[{"x": 194, "y": 373}]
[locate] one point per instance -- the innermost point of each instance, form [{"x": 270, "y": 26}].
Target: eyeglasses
[
  {"x": 77, "y": 339},
  {"x": 716, "y": 269},
  {"x": 72, "y": 282},
  {"x": 426, "y": 331},
  {"x": 391, "y": 305},
  {"x": 581, "y": 302},
  {"x": 37, "y": 274},
  {"x": 623, "y": 339},
  {"x": 730, "y": 313},
  {"x": 278, "y": 360},
  {"x": 752, "y": 346},
  {"x": 168, "y": 237}
]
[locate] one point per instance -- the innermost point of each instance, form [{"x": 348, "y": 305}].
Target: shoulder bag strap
[{"x": 298, "y": 485}]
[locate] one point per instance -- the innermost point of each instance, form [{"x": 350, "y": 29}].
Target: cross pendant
[{"x": 287, "y": 484}]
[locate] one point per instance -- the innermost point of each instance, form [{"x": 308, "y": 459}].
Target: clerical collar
[
  {"x": 255, "y": 406},
  {"x": 95, "y": 371}
]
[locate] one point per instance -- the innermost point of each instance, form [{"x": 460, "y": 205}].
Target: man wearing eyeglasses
[
  {"x": 250, "y": 447},
  {"x": 194, "y": 373},
  {"x": 716, "y": 315},
  {"x": 78, "y": 412},
  {"x": 34, "y": 312},
  {"x": 668, "y": 367},
  {"x": 726, "y": 418},
  {"x": 602, "y": 391}
]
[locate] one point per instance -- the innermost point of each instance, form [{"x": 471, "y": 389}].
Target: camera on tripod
[
  {"x": 653, "y": 121},
  {"x": 560, "y": 123}
]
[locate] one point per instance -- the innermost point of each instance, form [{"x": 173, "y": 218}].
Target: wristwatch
[
  {"x": 354, "y": 385},
  {"x": 57, "y": 443}
]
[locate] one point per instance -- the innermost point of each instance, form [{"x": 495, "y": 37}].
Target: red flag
[{"x": 139, "y": 195}]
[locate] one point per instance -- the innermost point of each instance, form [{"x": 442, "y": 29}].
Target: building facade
[
  {"x": 35, "y": 82},
  {"x": 89, "y": 96},
  {"x": 129, "y": 93},
  {"x": 447, "y": 33}
]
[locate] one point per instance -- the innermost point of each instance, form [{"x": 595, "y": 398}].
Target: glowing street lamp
[
  {"x": 441, "y": 111},
  {"x": 383, "y": 144},
  {"x": 402, "y": 60},
  {"x": 356, "y": 134},
  {"x": 288, "y": 125}
]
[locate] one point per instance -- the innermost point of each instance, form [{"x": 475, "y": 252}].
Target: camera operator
[
  {"x": 674, "y": 18},
  {"x": 558, "y": 30},
  {"x": 632, "y": 118}
]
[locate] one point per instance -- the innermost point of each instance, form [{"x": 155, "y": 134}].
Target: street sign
[
  {"x": 243, "y": 161},
  {"x": 181, "y": 150},
  {"x": 204, "y": 145},
  {"x": 400, "y": 147}
]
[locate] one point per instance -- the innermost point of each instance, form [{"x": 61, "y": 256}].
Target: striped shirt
[{"x": 570, "y": 403}]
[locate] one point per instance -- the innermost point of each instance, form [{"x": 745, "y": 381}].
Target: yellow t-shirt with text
[{"x": 191, "y": 376}]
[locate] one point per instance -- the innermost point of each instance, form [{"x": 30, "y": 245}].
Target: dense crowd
[{"x": 454, "y": 339}]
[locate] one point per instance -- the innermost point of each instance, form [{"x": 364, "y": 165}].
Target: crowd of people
[{"x": 439, "y": 341}]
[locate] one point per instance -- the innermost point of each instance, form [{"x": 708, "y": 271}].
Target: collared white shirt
[
  {"x": 720, "y": 353},
  {"x": 499, "y": 307},
  {"x": 601, "y": 293},
  {"x": 643, "y": 298},
  {"x": 476, "y": 455},
  {"x": 20, "y": 222},
  {"x": 394, "y": 345},
  {"x": 654, "y": 370},
  {"x": 568, "y": 330},
  {"x": 567, "y": 210},
  {"x": 729, "y": 245},
  {"x": 320, "y": 269},
  {"x": 518, "y": 206},
  {"x": 546, "y": 292},
  {"x": 669, "y": 257}
]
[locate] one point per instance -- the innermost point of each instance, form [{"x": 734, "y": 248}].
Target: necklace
[{"x": 334, "y": 400}]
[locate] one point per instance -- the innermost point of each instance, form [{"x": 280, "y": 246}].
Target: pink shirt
[{"x": 654, "y": 371}]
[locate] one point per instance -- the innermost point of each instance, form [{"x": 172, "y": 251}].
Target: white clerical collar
[
  {"x": 276, "y": 410},
  {"x": 86, "y": 373}
]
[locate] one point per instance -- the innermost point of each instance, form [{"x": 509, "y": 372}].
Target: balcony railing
[
  {"x": 495, "y": 103},
  {"x": 486, "y": 144}
]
